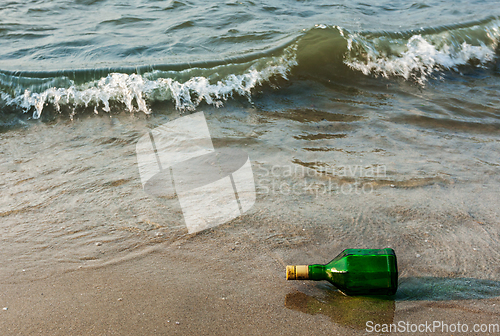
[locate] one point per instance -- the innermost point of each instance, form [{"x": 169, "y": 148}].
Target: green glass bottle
[{"x": 354, "y": 272}]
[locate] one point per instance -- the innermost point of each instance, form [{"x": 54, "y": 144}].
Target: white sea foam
[
  {"x": 412, "y": 58},
  {"x": 136, "y": 91},
  {"x": 419, "y": 56}
]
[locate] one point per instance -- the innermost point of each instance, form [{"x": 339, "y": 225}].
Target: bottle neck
[{"x": 317, "y": 272}]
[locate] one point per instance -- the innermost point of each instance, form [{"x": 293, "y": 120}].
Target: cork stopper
[{"x": 297, "y": 272}]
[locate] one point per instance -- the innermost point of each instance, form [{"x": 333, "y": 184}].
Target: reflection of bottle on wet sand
[{"x": 348, "y": 311}]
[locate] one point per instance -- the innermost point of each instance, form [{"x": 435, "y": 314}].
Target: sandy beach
[{"x": 209, "y": 285}]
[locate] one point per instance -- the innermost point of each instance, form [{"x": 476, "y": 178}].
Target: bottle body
[{"x": 355, "y": 272}]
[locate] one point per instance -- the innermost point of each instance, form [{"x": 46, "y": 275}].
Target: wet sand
[{"x": 211, "y": 286}]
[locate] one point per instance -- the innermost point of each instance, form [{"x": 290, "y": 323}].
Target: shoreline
[
  {"x": 213, "y": 288},
  {"x": 79, "y": 229}
]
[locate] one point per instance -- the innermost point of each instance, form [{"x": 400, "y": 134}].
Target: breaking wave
[
  {"x": 417, "y": 54},
  {"x": 321, "y": 51}
]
